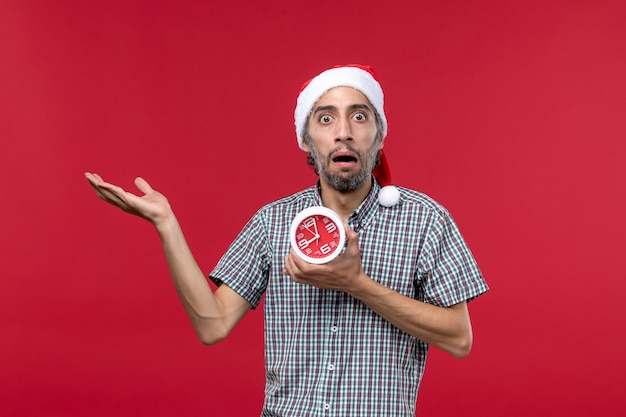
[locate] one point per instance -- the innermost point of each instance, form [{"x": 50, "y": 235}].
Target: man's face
[{"x": 342, "y": 138}]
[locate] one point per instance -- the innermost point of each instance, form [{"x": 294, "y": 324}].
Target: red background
[{"x": 509, "y": 113}]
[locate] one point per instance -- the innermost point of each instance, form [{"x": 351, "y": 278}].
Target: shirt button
[
  {"x": 331, "y": 367},
  {"x": 334, "y": 329},
  {"x": 326, "y": 406}
]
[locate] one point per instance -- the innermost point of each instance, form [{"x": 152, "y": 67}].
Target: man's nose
[{"x": 344, "y": 130}]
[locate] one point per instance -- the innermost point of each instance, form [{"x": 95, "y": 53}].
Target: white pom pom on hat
[
  {"x": 389, "y": 195},
  {"x": 359, "y": 77}
]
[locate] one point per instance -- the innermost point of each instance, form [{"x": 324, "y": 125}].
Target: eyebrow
[{"x": 330, "y": 107}]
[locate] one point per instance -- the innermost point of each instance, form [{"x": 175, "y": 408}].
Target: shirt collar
[
  {"x": 362, "y": 215},
  {"x": 366, "y": 210}
]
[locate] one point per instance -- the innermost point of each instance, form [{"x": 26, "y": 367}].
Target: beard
[{"x": 344, "y": 181}]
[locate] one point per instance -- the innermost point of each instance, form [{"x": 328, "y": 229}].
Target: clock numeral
[
  {"x": 325, "y": 249},
  {"x": 309, "y": 222},
  {"x": 330, "y": 227},
  {"x": 303, "y": 243}
]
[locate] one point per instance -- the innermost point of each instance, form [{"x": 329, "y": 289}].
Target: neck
[{"x": 344, "y": 203}]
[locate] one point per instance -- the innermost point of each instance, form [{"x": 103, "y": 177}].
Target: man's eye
[
  {"x": 360, "y": 116},
  {"x": 325, "y": 119}
]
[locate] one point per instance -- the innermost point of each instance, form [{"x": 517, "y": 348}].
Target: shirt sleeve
[
  {"x": 245, "y": 265},
  {"x": 449, "y": 272}
]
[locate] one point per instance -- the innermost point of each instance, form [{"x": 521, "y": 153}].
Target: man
[{"x": 349, "y": 337}]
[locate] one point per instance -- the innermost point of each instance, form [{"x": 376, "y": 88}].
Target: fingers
[
  {"x": 101, "y": 186},
  {"x": 91, "y": 178},
  {"x": 295, "y": 267},
  {"x": 290, "y": 266},
  {"x": 108, "y": 192},
  {"x": 95, "y": 180}
]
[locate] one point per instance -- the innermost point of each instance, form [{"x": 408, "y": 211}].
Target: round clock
[{"x": 317, "y": 235}]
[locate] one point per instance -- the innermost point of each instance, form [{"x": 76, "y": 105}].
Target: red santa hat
[{"x": 359, "y": 77}]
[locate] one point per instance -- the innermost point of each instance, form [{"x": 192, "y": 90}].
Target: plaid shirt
[{"x": 327, "y": 354}]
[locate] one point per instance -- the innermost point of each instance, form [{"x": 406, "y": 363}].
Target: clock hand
[
  {"x": 316, "y": 237},
  {"x": 310, "y": 231}
]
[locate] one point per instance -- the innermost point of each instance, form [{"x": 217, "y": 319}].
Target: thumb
[
  {"x": 143, "y": 185},
  {"x": 351, "y": 236}
]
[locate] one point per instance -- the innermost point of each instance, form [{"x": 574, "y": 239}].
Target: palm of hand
[{"x": 151, "y": 206}]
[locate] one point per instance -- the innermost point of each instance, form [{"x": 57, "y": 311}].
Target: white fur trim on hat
[{"x": 338, "y": 77}]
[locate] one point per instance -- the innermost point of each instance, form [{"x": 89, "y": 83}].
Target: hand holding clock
[{"x": 342, "y": 273}]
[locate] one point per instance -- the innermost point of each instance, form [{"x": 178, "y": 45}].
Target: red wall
[{"x": 509, "y": 113}]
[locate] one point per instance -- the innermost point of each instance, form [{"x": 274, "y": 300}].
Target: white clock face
[{"x": 317, "y": 235}]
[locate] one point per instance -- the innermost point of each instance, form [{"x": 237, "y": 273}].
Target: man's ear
[{"x": 305, "y": 147}]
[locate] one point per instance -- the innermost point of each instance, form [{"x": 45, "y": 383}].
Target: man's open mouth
[{"x": 345, "y": 157}]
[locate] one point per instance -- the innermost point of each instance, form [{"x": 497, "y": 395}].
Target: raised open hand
[{"x": 152, "y": 205}]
